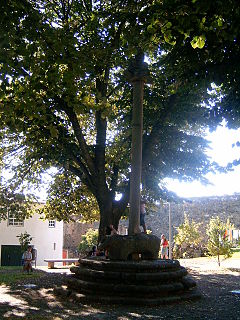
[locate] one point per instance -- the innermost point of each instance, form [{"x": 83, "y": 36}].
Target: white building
[{"x": 47, "y": 239}]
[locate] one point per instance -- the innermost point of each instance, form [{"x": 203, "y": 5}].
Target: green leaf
[
  {"x": 54, "y": 132},
  {"x": 198, "y": 42}
]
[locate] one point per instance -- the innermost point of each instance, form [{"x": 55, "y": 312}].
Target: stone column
[{"x": 137, "y": 75}]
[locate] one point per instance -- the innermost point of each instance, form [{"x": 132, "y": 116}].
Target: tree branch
[
  {"x": 88, "y": 177},
  {"x": 120, "y": 206},
  {"x": 81, "y": 140},
  {"x": 101, "y": 125},
  {"x": 83, "y": 177},
  {"x": 114, "y": 180}
]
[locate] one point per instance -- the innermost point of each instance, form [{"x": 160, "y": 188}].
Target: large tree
[{"x": 66, "y": 102}]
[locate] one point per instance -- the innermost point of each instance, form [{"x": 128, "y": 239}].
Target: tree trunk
[
  {"x": 105, "y": 207},
  {"x": 110, "y": 213}
]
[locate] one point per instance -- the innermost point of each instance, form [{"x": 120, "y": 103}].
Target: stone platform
[{"x": 144, "y": 282}]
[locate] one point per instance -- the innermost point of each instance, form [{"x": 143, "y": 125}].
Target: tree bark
[{"x": 110, "y": 212}]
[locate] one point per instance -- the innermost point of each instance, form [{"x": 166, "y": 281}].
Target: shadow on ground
[{"x": 217, "y": 303}]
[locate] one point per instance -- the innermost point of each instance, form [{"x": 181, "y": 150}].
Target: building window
[
  {"x": 14, "y": 221},
  {"x": 51, "y": 223}
]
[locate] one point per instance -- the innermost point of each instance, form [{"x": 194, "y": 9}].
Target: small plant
[
  {"x": 89, "y": 240},
  {"x": 24, "y": 240},
  {"x": 218, "y": 242},
  {"x": 188, "y": 239}
]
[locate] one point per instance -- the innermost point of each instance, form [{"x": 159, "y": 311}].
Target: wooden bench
[{"x": 69, "y": 260}]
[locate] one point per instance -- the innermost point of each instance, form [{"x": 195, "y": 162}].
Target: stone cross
[{"x": 138, "y": 75}]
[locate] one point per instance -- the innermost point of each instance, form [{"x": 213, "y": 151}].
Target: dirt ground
[{"x": 22, "y": 301}]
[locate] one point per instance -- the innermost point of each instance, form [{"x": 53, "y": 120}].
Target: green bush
[
  {"x": 24, "y": 240},
  {"x": 187, "y": 242},
  {"x": 218, "y": 243},
  {"x": 89, "y": 239}
]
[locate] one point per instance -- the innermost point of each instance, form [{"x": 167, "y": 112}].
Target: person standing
[
  {"x": 142, "y": 216},
  {"x": 93, "y": 252},
  {"x": 27, "y": 259},
  {"x": 164, "y": 247}
]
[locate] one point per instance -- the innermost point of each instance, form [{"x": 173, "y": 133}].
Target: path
[
  {"x": 215, "y": 284},
  {"x": 210, "y": 264}
]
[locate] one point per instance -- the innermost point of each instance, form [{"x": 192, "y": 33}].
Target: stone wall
[
  {"x": 198, "y": 209},
  {"x": 73, "y": 232}
]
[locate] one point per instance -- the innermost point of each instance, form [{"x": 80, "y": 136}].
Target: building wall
[
  {"x": 198, "y": 209},
  {"x": 47, "y": 241}
]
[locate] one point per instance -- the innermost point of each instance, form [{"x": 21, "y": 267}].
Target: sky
[{"x": 222, "y": 152}]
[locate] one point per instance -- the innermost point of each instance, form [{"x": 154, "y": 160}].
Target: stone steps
[
  {"x": 146, "y": 277},
  {"x": 126, "y": 300},
  {"x": 155, "y": 282}
]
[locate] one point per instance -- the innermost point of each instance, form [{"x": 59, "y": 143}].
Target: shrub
[
  {"x": 218, "y": 243},
  {"x": 24, "y": 240},
  {"x": 187, "y": 242},
  {"x": 89, "y": 239}
]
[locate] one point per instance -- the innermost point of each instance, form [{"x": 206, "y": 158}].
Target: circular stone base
[{"x": 145, "y": 282}]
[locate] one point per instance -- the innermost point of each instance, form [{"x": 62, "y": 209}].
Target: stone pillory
[{"x": 123, "y": 247}]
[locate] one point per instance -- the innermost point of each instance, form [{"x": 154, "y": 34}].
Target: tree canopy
[{"x": 66, "y": 103}]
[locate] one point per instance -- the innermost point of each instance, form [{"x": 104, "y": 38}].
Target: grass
[
  {"x": 236, "y": 253},
  {"x": 11, "y": 275},
  {"x": 9, "y": 268}
]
